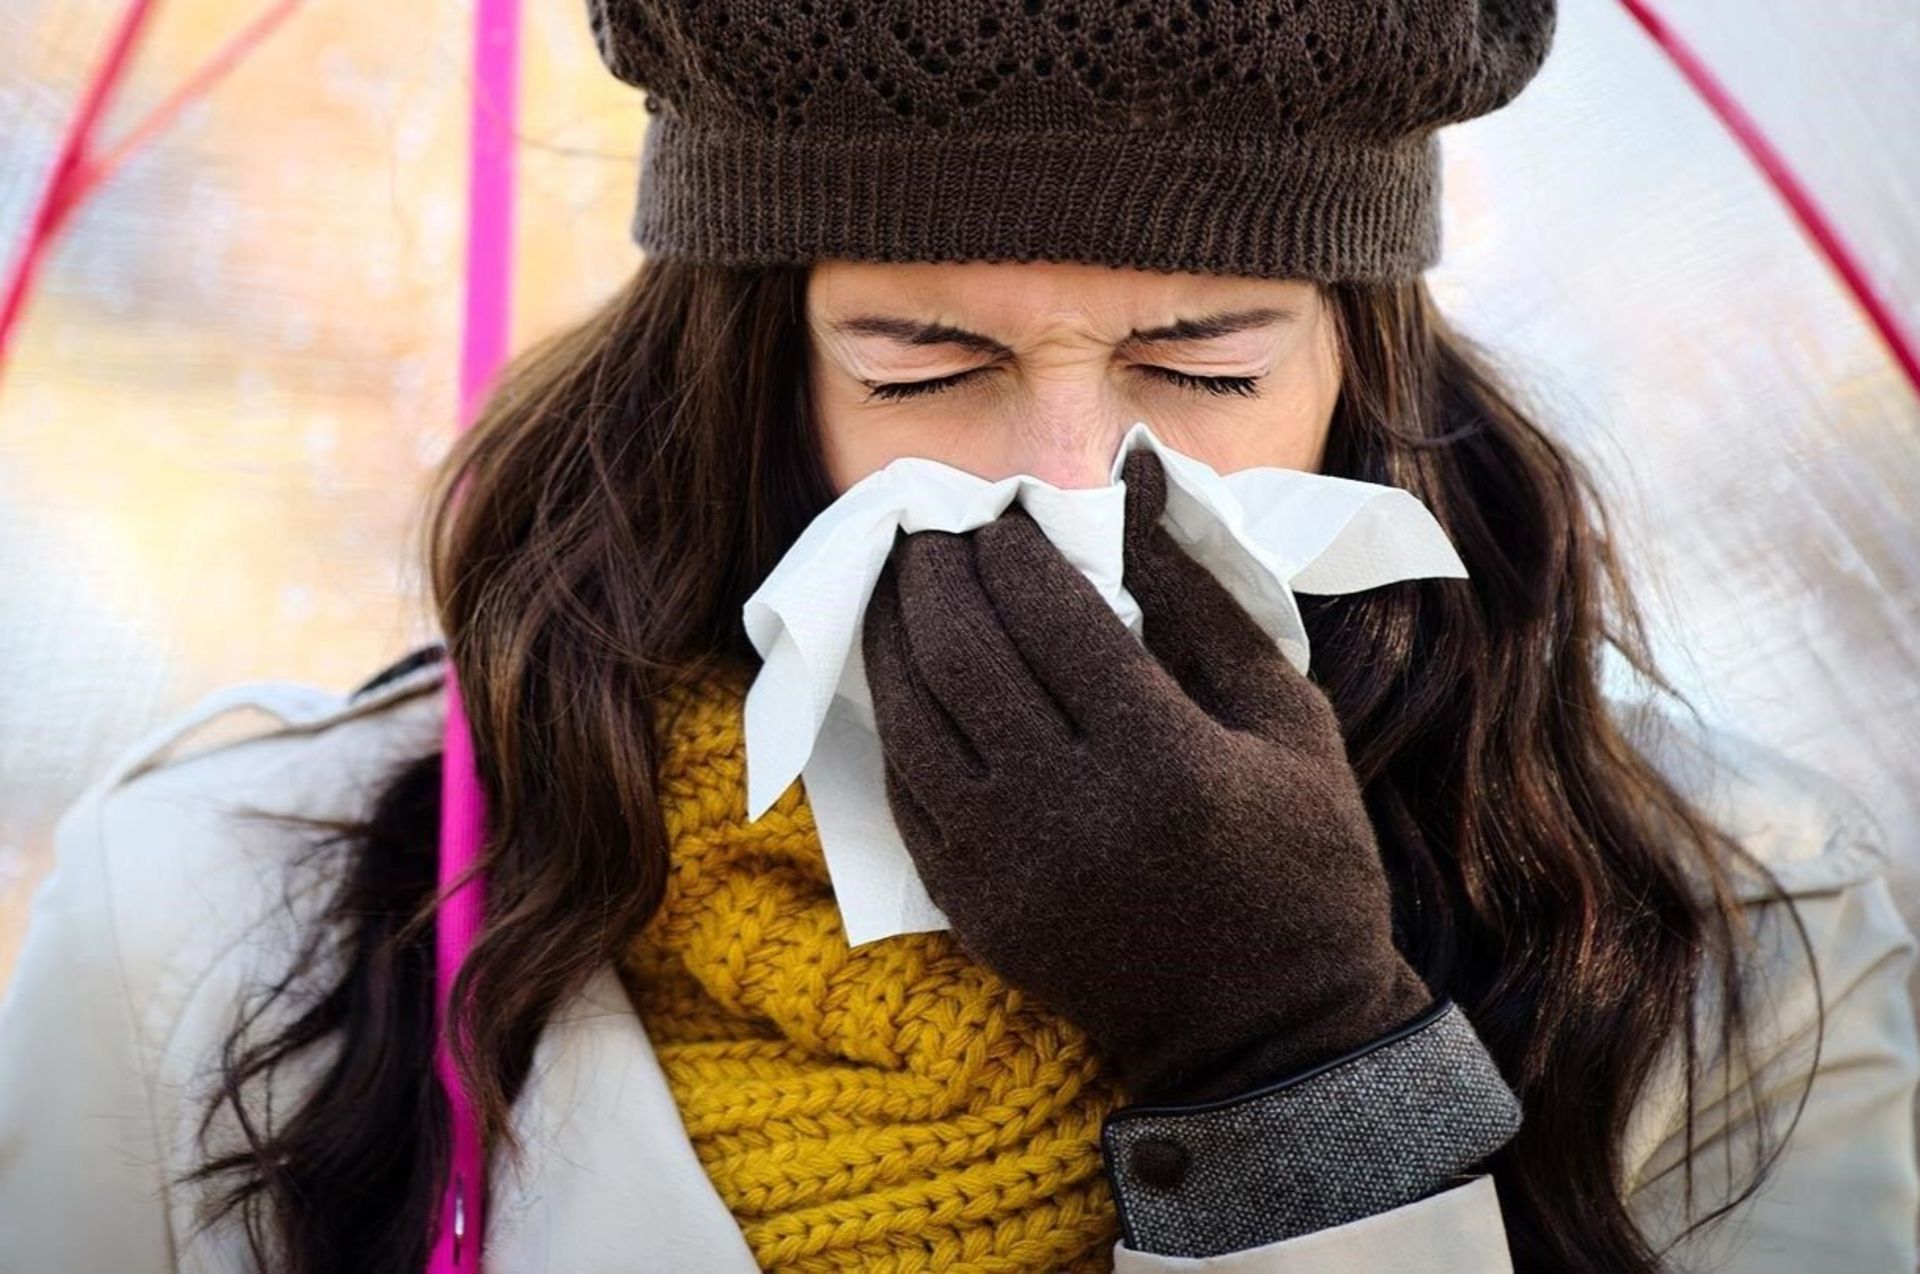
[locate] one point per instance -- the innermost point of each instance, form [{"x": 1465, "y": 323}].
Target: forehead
[{"x": 1009, "y": 297}]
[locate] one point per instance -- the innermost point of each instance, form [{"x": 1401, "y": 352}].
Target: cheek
[
  {"x": 855, "y": 442},
  {"x": 848, "y": 451},
  {"x": 1286, "y": 431},
  {"x": 1287, "y": 427},
  {"x": 841, "y": 453},
  {"x": 851, "y": 458}
]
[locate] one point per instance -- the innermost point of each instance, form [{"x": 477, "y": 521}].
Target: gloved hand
[{"x": 1167, "y": 845}]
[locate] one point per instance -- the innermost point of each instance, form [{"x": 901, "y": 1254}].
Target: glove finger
[
  {"x": 965, "y": 658},
  {"x": 1146, "y": 495},
  {"x": 915, "y": 732},
  {"x": 945, "y": 875},
  {"x": 1069, "y": 636},
  {"x": 917, "y": 776},
  {"x": 1221, "y": 656}
]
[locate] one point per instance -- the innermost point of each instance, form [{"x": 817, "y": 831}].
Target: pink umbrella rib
[
  {"x": 77, "y": 171},
  {"x": 1780, "y": 174},
  {"x": 76, "y": 174},
  {"x": 484, "y": 338}
]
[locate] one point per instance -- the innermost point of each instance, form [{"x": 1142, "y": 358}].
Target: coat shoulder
[
  {"x": 1821, "y": 1081},
  {"x": 1806, "y": 827},
  {"x": 181, "y": 845},
  {"x": 166, "y": 904}
]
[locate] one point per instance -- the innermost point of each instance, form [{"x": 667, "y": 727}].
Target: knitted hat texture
[{"x": 1283, "y": 138}]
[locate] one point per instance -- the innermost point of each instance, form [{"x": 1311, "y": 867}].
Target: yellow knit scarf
[{"x": 894, "y": 1108}]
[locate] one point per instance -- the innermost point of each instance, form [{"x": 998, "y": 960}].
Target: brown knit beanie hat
[{"x": 1283, "y": 138}]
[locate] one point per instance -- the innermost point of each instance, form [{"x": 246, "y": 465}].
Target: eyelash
[{"x": 1243, "y": 385}]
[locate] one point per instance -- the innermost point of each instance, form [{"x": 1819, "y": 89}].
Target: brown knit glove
[{"x": 1167, "y": 848}]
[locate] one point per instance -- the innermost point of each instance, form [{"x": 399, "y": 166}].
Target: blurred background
[{"x": 242, "y": 357}]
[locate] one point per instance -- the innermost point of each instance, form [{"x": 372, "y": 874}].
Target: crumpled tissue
[{"x": 1265, "y": 533}]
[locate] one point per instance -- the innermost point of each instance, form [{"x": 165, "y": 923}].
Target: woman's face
[{"x": 1001, "y": 368}]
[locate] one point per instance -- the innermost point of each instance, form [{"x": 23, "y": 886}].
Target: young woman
[{"x": 1439, "y": 958}]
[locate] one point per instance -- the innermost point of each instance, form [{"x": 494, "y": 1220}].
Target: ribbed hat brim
[{"x": 1148, "y": 199}]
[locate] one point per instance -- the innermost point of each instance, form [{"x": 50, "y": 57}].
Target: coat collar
[{"x": 609, "y": 1179}]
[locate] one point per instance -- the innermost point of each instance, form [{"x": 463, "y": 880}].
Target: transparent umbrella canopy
[
  {"x": 242, "y": 354},
  {"x": 1612, "y": 242}
]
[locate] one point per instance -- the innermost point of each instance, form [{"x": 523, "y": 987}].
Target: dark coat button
[{"x": 1159, "y": 1162}]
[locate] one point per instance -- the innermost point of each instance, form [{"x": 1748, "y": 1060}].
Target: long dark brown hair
[{"x": 591, "y": 541}]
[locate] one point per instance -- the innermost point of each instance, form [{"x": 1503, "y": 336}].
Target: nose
[{"x": 1069, "y": 453}]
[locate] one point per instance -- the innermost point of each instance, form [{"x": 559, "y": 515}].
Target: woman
[{"x": 1498, "y": 970}]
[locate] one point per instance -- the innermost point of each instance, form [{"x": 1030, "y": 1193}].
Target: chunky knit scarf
[{"x": 893, "y": 1108}]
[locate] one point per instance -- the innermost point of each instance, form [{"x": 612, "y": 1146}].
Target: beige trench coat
[{"x": 159, "y": 914}]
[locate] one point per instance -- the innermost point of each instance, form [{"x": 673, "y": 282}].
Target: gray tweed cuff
[{"x": 1364, "y": 1133}]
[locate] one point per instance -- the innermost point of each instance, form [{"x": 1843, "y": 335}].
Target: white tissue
[{"x": 1264, "y": 532}]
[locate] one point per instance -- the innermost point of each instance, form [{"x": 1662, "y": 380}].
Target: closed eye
[
  {"x": 914, "y": 388},
  {"x": 1247, "y": 385},
  {"x": 1244, "y": 385}
]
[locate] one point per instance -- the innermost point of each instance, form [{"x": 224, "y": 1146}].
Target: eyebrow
[{"x": 1205, "y": 328}]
